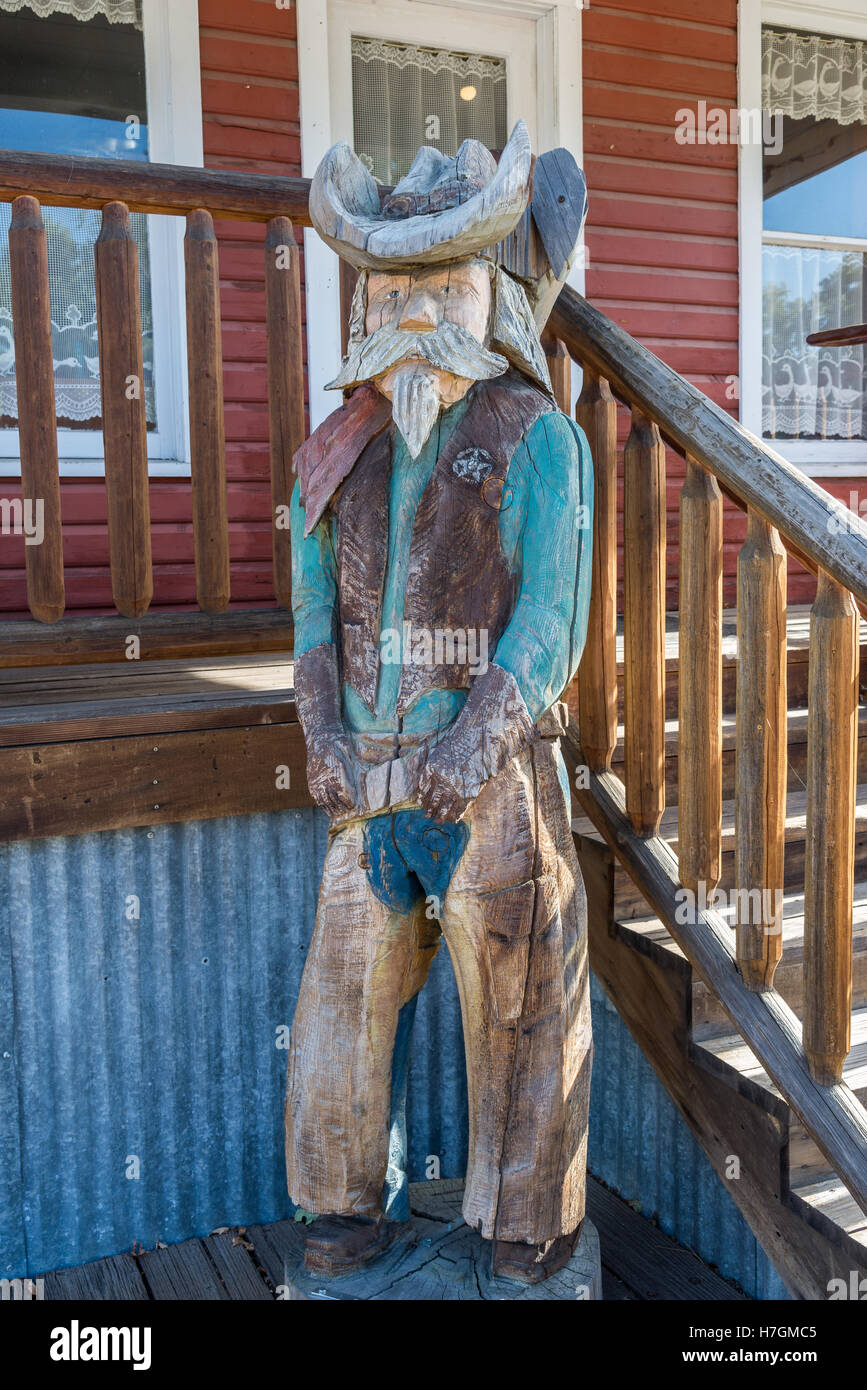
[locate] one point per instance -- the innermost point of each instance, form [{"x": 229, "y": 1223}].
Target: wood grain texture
[
  {"x": 285, "y": 387},
  {"x": 64, "y": 181},
  {"x": 124, "y": 427},
  {"x": 207, "y": 428},
  {"x": 700, "y": 680},
  {"x": 831, "y": 766},
  {"x": 433, "y": 1259},
  {"x": 34, "y": 383},
  {"x": 596, "y": 413},
  {"x": 760, "y": 788},
  {"x": 560, "y": 372},
  {"x": 162, "y": 636},
  {"x": 644, "y": 623},
  {"x": 106, "y": 783}
]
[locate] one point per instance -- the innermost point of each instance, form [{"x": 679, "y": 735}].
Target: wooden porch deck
[{"x": 639, "y": 1262}]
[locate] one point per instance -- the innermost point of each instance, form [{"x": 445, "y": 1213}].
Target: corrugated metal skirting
[{"x": 147, "y": 981}]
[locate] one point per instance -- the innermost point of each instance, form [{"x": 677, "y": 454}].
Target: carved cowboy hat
[
  {"x": 450, "y": 209},
  {"x": 446, "y": 209}
]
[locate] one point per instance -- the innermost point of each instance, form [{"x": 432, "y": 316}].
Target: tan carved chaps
[{"x": 514, "y": 920}]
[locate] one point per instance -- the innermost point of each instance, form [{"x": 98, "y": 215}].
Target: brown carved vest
[{"x": 457, "y": 576}]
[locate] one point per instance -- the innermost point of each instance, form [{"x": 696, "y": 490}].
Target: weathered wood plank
[
  {"x": 236, "y": 1268},
  {"x": 37, "y": 426},
  {"x": 700, "y": 681},
  {"x": 103, "y": 784},
  {"x": 649, "y": 1262},
  {"x": 760, "y": 786},
  {"x": 207, "y": 428},
  {"x": 560, "y": 369},
  {"x": 64, "y": 181},
  {"x": 118, "y": 1277},
  {"x": 831, "y": 768},
  {"x": 285, "y": 387},
  {"x": 596, "y": 413},
  {"x": 180, "y": 1272},
  {"x": 644, "y": 623},
  {"x": 429, "y": 1260},
  {"x": 160, "y": 637},
  {"x": 124, "y": 427}
]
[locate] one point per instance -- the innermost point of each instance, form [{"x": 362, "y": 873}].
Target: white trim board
[
  {"x": 847, "y": 20},
  {"x": 174, "y": 98},
  {"x": 541, "y": 41}
]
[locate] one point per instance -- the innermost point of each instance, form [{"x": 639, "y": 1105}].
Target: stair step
[
  {"x": 708, "y": 1016},
  {"x": 828, "y": 1196},
  {"x": 731, "y": 1049},
  {"x": 810, "y": 1174},
  {"x": 796, "y": 757},
  {"x": 629, "y": 903},
  {"x": 797, "y": 644}
]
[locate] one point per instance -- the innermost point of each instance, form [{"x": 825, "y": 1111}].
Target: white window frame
[
  {"x": 497, "y": 27},
  {"x": 846, "y": 19},
  {"x": 174, "y": 100}
]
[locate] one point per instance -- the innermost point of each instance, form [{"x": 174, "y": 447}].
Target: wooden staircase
[{"x": 801, "y": 1211}]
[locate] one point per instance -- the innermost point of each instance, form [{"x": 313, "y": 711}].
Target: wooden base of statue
[{"x": 436, "y": 1256}]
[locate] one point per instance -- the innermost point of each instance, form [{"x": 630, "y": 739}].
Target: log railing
[
  {"x": 785, "y": 511},
  {"x": 117, "y": 187}
]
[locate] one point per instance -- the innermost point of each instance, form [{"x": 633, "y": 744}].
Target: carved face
[
  {"x": 424, "y": 298},
  {"x": 426, "y": 341}
]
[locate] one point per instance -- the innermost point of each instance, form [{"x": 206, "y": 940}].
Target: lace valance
[
  {"x": 115, "y": 11},
  {"x": 808, "y": 75}
]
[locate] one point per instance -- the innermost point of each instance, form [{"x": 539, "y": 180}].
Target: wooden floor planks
[{"x": 639, "y": 1262}]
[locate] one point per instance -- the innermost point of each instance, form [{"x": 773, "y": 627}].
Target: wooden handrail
[
  {"x": 69, "y": 181},
  {"x": 802, "y": 511}
]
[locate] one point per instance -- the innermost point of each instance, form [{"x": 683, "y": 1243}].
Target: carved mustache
[{"x": 450, "y": 347}]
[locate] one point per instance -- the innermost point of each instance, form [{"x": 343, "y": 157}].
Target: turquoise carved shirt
[{"x": 546, "y": 528}]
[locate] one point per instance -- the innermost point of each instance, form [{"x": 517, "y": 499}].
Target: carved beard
[
  {"x": 415, "y": 404},
  {"x": 416, "y": 395}
]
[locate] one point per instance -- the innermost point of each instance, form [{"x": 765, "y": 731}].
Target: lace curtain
[
  {"x": 807, "y": 75},
  {"x": 404, "y": 96},
  {"x": 70, "y": 235},
  {"x": 115, "y": 11},
  {"x": 809, "y": 392}
]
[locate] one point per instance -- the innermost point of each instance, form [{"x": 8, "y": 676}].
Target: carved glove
[
  {"x": 331, "y": 774},
  {"x": 492, "y": 727}
]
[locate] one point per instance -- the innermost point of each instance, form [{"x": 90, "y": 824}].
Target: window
[
  {"x": 814, "y": 254},
  {"x": 405, "y": 96},
  {"x": 101, "y": 78},
  {"x": 72, "y": 87}
]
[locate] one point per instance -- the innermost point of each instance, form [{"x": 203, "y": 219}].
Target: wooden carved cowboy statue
[{"x": 441, "y": 534}]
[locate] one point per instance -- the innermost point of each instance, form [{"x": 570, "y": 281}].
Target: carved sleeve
[{"x": 544, "y": 639}]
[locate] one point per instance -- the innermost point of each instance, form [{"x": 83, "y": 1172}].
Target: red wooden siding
[{"x": 250, "y": 116}]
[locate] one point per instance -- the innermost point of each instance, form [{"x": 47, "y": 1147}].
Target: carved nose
[{"x": 419, "y": 314}]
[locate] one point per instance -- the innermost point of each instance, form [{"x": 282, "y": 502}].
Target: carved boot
[
  {"x": 342, "y": 1244},
  {"x": 531, "y": 1264}
]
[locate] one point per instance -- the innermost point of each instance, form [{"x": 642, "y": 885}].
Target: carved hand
[
  {"x": 331, "y": 776},
  {"x": 492, "y": 727},
  {"x": 440, "y": 787}
]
